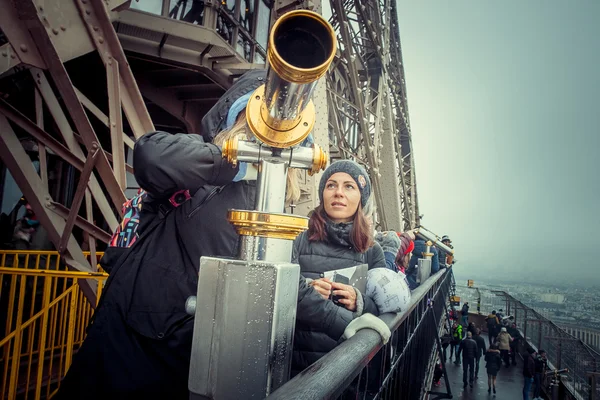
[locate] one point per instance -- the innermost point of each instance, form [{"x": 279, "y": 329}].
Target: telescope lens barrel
[{"x": 302, "y": 46}]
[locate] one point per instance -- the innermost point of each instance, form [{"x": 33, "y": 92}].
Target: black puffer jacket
[
  {"x": 469, "y": 349},
  {"x": 314, "y": 258}
]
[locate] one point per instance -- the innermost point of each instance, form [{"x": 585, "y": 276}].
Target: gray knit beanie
[{"x": 357, "y": 173}]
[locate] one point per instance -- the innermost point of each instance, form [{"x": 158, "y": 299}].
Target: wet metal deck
[{"x": 509, "y": 383}]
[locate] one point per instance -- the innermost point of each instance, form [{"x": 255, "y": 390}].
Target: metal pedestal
[
  {"x": 424, "y": 270},
  {"x": 243, "y": 328}
]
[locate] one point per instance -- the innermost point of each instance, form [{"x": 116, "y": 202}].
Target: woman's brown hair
[{"x": 361, "y": 236}]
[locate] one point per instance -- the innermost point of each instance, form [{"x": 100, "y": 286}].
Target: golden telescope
[
  {"x": 280, "y": 113},
  {"x": 302, "y": 45}
]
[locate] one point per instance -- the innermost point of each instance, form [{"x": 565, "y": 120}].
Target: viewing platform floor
[{"x": 509, "y": 382}]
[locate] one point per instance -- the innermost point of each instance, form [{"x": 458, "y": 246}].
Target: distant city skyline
[
  {"x": 463, "y": 275},
  {"x": 503, "y": 100}
]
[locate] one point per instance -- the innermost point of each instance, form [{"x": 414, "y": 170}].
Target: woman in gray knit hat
[{"x": 338, "y": 237}]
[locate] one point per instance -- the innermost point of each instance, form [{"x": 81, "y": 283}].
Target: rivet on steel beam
[
  {"x": 23, "y": 48},
  {"x": 114, "y": 124},
  {"x": 100, "y": 39},
  {"x": 95, "y": 145},
  {"x": 4, "y": 54},
  {"x": 13, "y": 56},
  {"x": 88, "y": 12},
  {"x": 95, "y": 28},
  {"x": 41, "y": 8},
  {"x": 55, "y": 31},
  {"x": 63, "y": 28},
  {"x": 84, "y": 1}
]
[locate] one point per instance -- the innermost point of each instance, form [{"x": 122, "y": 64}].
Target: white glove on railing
[{"x": 368, "y": 321}]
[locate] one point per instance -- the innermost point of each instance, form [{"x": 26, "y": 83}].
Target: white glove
[{"x": 368, "y": 321}]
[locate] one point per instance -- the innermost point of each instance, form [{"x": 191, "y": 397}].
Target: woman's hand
[
  {"x": 347, "y": 294},
  {"x": 323, "y": 286}
]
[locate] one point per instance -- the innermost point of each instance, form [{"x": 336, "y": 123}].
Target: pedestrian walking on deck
[
  {"x": 493, "y": 362},
  {"x": 480, "y": 350},
  {"x": 493, "y": 326},
  {"x": 504, "y": 340},
  {"x": 457, "y": 336},
  {"x": 514, "y": 345},
  {"x": 470, "y": 351}
]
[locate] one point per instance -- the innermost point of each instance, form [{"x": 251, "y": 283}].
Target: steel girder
[
  {"x": 42, "y": 35},
  {"x": 367, "y": 91}
]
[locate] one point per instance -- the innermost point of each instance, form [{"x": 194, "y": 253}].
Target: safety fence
[
  {"x": 563, "y": 349},
  {"x": 361, "y": 367},
  {"x": 46, "y": 317}
]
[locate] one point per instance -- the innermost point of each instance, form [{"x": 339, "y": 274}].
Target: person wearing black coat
[
  {"x": 469, "y": 349},
  {"x": 471, "y": 328},
  {"x": 493, "y": 364},
  {"x": 528, "y": 372},
  {"x": 480, "y": 350},
  {"x": 464, "y": 313},
  {"x": 139, "y": 343},
  {"x": 338, "y": 237},
  {"x": 514, "y": 345}
]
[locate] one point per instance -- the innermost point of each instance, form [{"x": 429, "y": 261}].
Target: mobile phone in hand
[{"x": 339, "y": 279}]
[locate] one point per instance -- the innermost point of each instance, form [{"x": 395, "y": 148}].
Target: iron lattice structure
[
  {"x": 80, "y": 80},
  {"x": 368, "y": 107}
]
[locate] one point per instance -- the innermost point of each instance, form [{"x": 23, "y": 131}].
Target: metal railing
[
  {"x": 563, "y": 349},
  {"x": 46, "y": 318},
  {"x": 361, "y": 367}
]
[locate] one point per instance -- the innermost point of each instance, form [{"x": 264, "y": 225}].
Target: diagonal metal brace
[{"x": 88, "y": 167}]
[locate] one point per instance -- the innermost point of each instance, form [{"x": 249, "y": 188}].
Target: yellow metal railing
[
  {"x": 46, "y": 317},
  {"x": 39, "y": 259}
]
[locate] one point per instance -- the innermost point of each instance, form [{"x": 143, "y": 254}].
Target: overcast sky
[{"x": 504, "y": 108}]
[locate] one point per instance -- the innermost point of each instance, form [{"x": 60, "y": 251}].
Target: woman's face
[{"x": 341, "y": 197}]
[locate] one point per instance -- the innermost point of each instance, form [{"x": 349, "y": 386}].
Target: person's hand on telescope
[
  {"x": 347, "y": 293},
  {"x": 323, "y": 286},
  {"x": 246, "y": 172}
]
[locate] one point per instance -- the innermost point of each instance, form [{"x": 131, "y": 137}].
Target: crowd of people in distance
[{"x": 468, "y": 347}]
